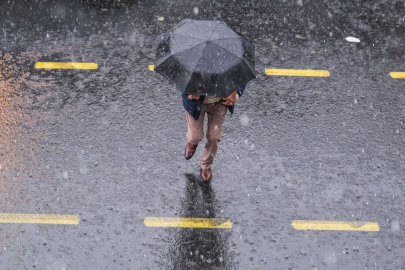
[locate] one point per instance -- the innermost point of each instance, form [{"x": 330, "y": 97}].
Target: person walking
[
  {"x": 210, "y": 64},
  {"x": 215, "y": 108}
]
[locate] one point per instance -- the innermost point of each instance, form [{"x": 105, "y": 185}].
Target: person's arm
[
  {"x": 241, "y": 89},
  {"x": 193, "y": 97},
  {"x": 231, "y": 99}
]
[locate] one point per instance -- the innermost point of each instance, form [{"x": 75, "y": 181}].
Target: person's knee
[
  {"x": 196, "y": 139},
  {"x": 214, "y": 138},
  {"x": 214, "y": 135}
]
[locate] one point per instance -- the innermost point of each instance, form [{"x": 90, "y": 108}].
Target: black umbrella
[{"x": 205, "y": 58}]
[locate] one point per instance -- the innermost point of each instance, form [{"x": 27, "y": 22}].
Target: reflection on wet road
[
  {"x": 196, "y": 248},
  {"x": 210, "y": 223},
  {"x": 20, "y": 132}
]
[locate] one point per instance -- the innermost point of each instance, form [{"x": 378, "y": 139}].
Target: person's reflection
[{"x": 195, "y": 248}]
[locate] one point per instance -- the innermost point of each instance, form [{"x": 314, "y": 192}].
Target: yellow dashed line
[
  {"x": 39, "y": 218},
  {"x": 152, "y": 67},
  {"x": 335, "y": 225},
  {"x": 62, "y": 65},
  {"x": 397, "y": 75},
  {"x": 209, "y": 223},
  {"x": 297, "y": 72}
]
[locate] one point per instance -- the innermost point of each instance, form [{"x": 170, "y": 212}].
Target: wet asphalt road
[{"x": 108, "y": 144}]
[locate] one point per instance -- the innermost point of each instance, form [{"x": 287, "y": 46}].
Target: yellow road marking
[
  {"x": 297, "y": 72},
  {"x": 63, "y": 65},
  {"x": 39, "y": 218},
  {"x": 152, "y": 67},
  {"x": 209, "y": 223},
  {"x": 397, "y": 75},
  {"x": 335, "y": 225}
]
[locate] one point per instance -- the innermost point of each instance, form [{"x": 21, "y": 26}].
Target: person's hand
[
  {"x": 231, "y": 99},
  {"x": 191, "y": 97}
]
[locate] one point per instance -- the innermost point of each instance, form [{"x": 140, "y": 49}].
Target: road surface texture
[{"x": 107, "y": 145}]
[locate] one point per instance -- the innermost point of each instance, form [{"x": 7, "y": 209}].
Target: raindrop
[
  {"x": 244, "y": 120},
  {"x": 352, "y": 39},
  {"x": 395, "y": 226}
]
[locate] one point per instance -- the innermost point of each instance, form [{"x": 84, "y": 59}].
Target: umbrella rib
[
  {"x": 176, "y": 34},
  {"x": 225, "y": 50},
  {"x": 191, "y": 73},
  {"x": 188, "y": 51},
  {"x": 167, "y": 77},
  {"x": 231, "y": 53},
  {"x": 172, "y": 81},
  {"x": 228, "y": 38},
  {"x": 202, "y": 41},
  {"x": 195, "y": 64},
  {"x": 174, "y": 54},
  {"x": 244, "y": 62},
  {"x": 164, "y": 59},
  {"x": 213, "y": 30}
]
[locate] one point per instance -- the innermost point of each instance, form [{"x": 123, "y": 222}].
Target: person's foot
[
  {"x": 190, "y": 150},
  {"x": 206, "y": 174}
]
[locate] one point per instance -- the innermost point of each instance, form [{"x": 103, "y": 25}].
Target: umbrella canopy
[{"x": 205, "y": 58}]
